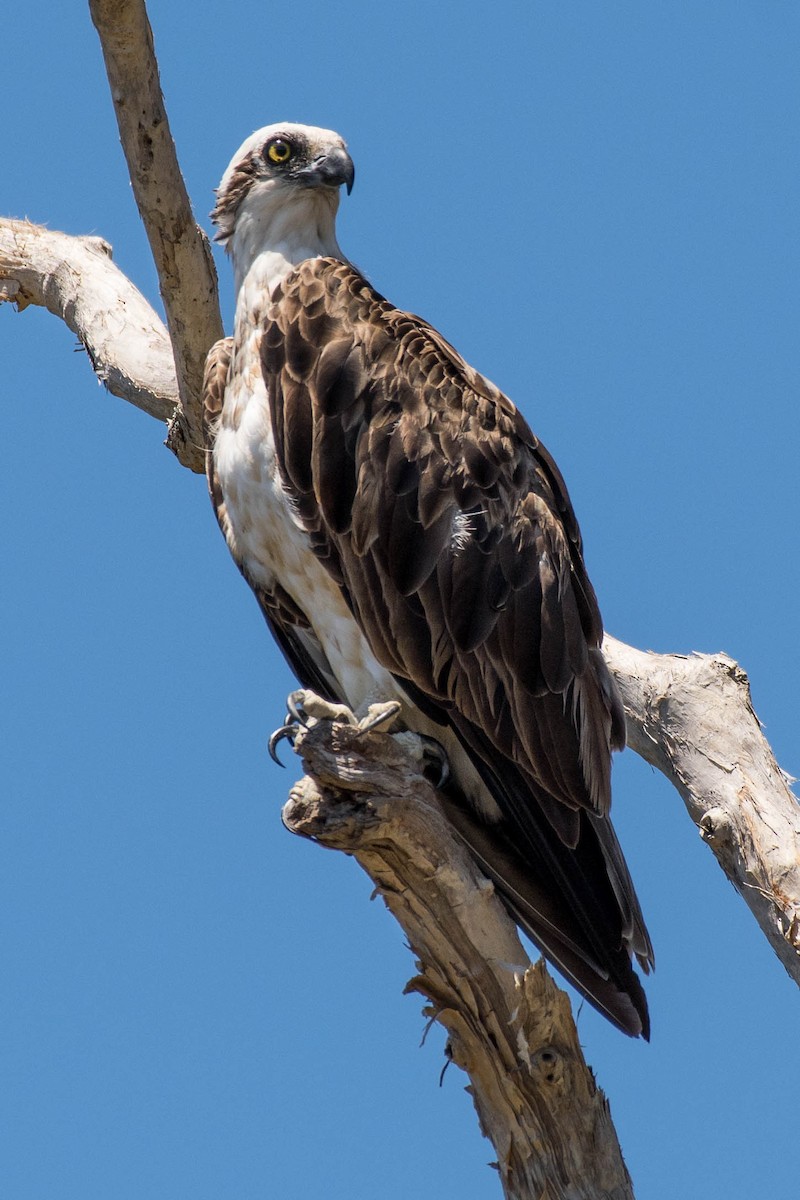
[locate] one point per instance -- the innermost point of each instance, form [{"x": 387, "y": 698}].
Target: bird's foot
[
  {"x": 305, "y": 708},
  {"x": 381, "y": 715}
]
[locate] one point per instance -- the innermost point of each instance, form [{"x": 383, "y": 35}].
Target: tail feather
[
  {"x": 613, "y": 988},
  {"x": 573, "y": 898}
]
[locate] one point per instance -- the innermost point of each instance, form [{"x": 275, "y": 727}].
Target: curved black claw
[
  {"x": 286, "y": 731},
  {"x": 297, "y": 714},
  {"x": 436, "y": 764}
]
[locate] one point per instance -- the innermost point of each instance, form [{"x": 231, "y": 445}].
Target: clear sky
[{"x": 597, "y": 204}]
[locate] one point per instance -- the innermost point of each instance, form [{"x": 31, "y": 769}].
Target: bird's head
[{"x": 281, "y": 192}]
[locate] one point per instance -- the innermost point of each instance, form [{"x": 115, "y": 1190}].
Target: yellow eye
[{"x": 279, "y": 150}]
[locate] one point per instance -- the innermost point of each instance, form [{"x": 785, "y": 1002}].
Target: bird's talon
[
  {"x": 297, "y": 712},
  {"x": 288, "y": 731},
  {"x": 430, "y": 756},
  {"x": 436, "y": 764},
  {"x": 379, "y": 715}
]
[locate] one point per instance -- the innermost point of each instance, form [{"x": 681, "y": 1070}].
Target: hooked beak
[{"x": 330, "y": 170}]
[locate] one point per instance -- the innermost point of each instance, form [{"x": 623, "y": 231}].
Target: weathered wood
[
  {"x": 186, "y": 272},
  {"x": 509, "y": 1027},
  {"x": 691, "y": 716},
  {"x": 75, "y": 279}
]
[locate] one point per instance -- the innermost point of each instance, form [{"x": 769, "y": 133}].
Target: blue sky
[{"x": 597, "y": 204}]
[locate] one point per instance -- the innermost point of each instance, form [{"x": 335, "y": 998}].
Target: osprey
[{"x": 409, "y": 538}]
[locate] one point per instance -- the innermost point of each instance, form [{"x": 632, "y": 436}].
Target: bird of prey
[{"x": 409, "y": 538}]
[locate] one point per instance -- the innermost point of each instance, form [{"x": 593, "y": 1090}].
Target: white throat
[{"x": 278, "y": 227}]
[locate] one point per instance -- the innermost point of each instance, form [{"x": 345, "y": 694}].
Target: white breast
[{"x": 266, "y": 535}]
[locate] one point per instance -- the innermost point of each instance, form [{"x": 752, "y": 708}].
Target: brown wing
[{"x": 450, "y": 530}]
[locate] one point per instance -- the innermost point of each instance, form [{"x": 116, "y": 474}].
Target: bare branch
[
  {"x": 182, "y": 255},
  {"x": 75, "y": 279},
  {"x": 510, "y": 1028},
  {"x": 692, "y": 717}
]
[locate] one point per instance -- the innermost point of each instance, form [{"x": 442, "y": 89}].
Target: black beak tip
[{"x": 329, "y": 170}]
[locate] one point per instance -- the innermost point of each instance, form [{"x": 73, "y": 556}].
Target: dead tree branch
[
  {"x": 186, "y": 272},
  {"x": 75, "y": 279},
  {"x": 509, "y": 1027},
  {"x": 691, "y": 716}
]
